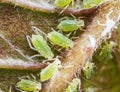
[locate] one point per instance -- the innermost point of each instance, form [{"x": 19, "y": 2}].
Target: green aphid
[
  {"x": 62, "y": 3},
  {"x": 73, "y": 86},
  {"x": 41, "y": 46},
  {"x": 28, "y": 85},
  {"x": 118, "y": 28},
  {"x": 91, "y": 3},
  {"x": 106, "y": 53},
  {"x": 88, "y": 69},
  {"x": 50, "y": 70},
  {"x": 70, "y": 25},
  {"x": 60, "y": 40}
]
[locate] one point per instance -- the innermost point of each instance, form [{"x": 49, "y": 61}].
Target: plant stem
[{"x": 97, "y": 32}]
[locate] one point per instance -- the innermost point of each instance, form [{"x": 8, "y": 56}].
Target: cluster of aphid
[{"x": 41, "y": 46}]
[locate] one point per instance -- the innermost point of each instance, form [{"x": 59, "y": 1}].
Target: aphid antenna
[
  {"x": 55, "y": 31},
  {"x": 37, "y": 55},
  {"x": 63, "y": 18},
  {"x": 47, "y": 61},
  {"x": 38, "y": 31},
  {"x": 24, "y": 77},
  {"x": 29, "y": 42}
]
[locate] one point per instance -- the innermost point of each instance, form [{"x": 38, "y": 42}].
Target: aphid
[
  {"x": 118, "y": 28},
  {"x": 50, "y": 70},
  {"x": 106, "y": 52},
  {"x": 91, "y": 3},
  {"x": 88, "y": 69},
  {"x": 73, "y": 86},
  {"x": 28, "y": 85},
  {"x": 60, "y": 40},
  {"x": 70, "y": 25},
  {"x": 62, "y": 3},
  {"x": 41, "y": 46}
]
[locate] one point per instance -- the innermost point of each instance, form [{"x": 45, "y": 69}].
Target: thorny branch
[{"x": 97, "y": 32}]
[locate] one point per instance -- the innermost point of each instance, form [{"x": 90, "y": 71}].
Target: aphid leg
[
  {"x": 24, "y": 77},
  {"x": 51, "y": 60},
  {"x": 52, "y": 29},
  {"x": 68, "y": 35},
  {"x": 37, "y": 55},
  {"x": 29, "y": 42},
  {"x": 60, "y": 31},
  {"x": 51, "y": 44},
  {"x": 17, "y": 89},
  {"x": 74, "y": 32},
  {"x": 63, "y": 9},
  {"x": 79, "y": 85},
  {"x": 32, "y": 76},
  {"x": 73, "y": 16},
  {"x": 10, "y": 88},
  {"x": 38, "y": 31},
  {"x": 63, "y": 18},
  {"x": 73, "y": 3},
  {"x": 74, "y": 38}
]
